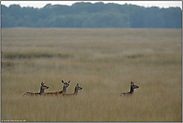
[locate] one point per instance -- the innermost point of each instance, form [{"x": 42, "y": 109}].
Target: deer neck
[
  {"x": 131, "y": 90},
  {"x": 76, "y": 91},
  {"x": 41, "y": 91},
  {"x": 64, "y": 90}
]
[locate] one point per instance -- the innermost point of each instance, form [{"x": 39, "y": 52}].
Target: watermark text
[{"x": 13, "y": 120}]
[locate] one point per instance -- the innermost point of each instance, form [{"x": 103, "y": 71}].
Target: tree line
[{"x": 88, "y": 15}]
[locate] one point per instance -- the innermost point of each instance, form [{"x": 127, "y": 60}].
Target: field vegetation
[{"x": 103, "y": 62}]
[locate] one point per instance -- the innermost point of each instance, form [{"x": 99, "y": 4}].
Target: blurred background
[{"x": 92, "y": 14}]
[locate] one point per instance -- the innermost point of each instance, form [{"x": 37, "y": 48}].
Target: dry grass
[{"x": 103, "y": 62}]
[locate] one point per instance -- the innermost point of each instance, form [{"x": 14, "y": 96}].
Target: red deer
[
  {"x": 66, "y": 84},
  {"x": 132, "y": 87},
  {"x": 75, "y": 90},
  {"x": 42, "y": 88}
]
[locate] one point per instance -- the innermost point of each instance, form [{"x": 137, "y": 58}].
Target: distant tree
[
  {"x": 173, "y": 17},
  {"x": 154, "y": 18},
  {"x": 27, "y": 22},
  {"x": 40, "y": 23},
  {"x": 8, "y": 21},
  {"x": 137, "y": 16},
  {"x": 15, "y": 11},
  {"x": 88, "y": 15},
  {"x": 4, "y": 9},
  {"x": 20, "y": 22}
]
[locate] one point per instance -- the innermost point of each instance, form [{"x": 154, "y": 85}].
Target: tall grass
[{"x": 102, "y": 62}]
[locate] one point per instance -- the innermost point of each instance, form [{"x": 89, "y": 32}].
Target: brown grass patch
[{"x": 103, "y": 62}]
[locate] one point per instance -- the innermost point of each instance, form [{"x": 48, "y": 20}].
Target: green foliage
[{"x": 88, "y": 15}]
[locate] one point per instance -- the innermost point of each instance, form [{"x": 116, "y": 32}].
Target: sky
[{"x": 40, "y": 4}]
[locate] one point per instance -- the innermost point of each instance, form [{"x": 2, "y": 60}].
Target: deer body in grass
[
  {"x": 66, "y": 84},
  {"x": 42, "y": 88},
  {"x": 132, "y": 87},
  {"x": 77, "y": 88}
]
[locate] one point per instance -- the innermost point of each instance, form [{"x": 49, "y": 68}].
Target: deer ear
[
  {"x": 132, "y": 82},
  {"x": 69, "y": 81},
  {"x": 42, "y": 83},
  {"x": 62, "y": 81}
]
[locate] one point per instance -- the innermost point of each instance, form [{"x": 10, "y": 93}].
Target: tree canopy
[{"x": 88, "y": 15}]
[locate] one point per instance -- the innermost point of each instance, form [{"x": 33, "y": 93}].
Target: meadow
[{"x": 103, "y": 62}]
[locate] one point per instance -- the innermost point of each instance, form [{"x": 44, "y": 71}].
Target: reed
[{"x": 103, "y": 62}]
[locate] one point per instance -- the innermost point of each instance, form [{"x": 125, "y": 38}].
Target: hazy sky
[{"x": 40, "y": 4}]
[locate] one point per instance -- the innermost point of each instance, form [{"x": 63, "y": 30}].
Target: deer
[
  {"x": 66, "y": 84},
  {"x": 77, "y": 88},
  {"x": 132, "y": 87},
  {"x": 42, "y": 88}
]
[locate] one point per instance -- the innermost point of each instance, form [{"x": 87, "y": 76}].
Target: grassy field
[{"x": 103, "y": 62}]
